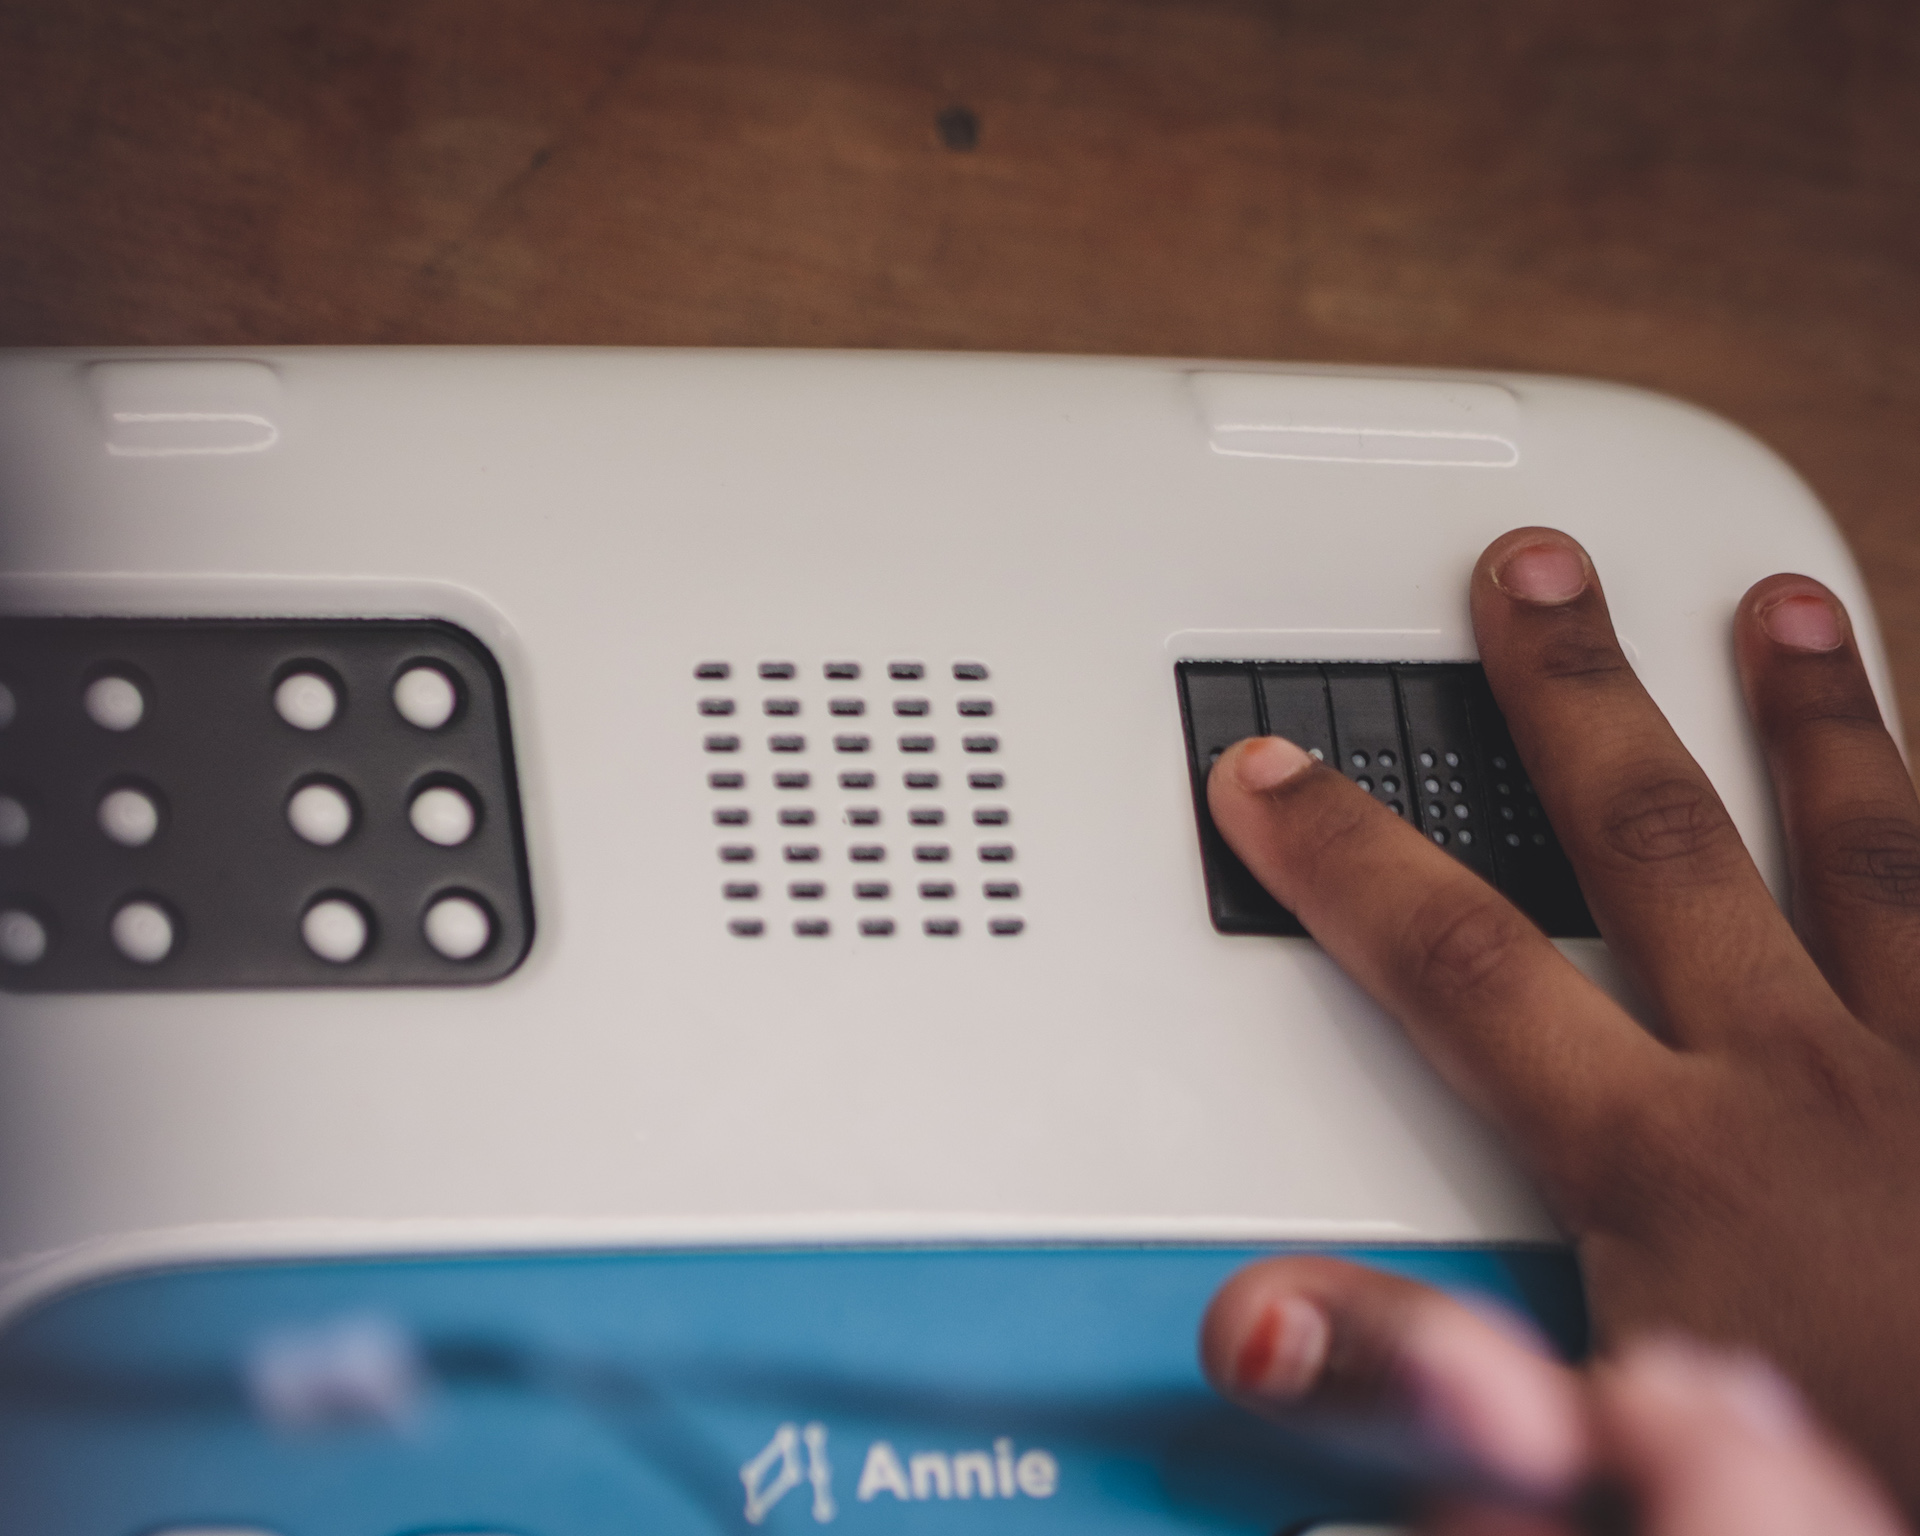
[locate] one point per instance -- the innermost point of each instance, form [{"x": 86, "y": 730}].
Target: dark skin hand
[{"x": 1747, "y": 1169}]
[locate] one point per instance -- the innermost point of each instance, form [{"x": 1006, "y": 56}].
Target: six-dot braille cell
[
  {"x": 425, "y": 697},
  {"x": 306, "y": 701},
  {"x": 320, "y": 813},
  {"x": 15, "y": 823},
  {"x": 458, "y": 927},
  {"x": 23, "y": 937},
  {"x": 114, "y": 703},
  {"x": 335, "y": 929},
  {"x": 129, "y": 817},
  {"x": 142, "y": 931},
  {"x": 443, "y": 815}
]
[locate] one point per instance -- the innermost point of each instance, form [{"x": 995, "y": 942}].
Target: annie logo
[{"x": 920, "y": 1476}]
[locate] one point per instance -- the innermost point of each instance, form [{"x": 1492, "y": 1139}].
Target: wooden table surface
[{"x": 1715, "y": 199}]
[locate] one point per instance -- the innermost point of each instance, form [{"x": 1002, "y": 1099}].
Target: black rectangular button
[
  {"x": 1443, "y": 771},
  {"x": 1221, "y": 707},
  {"x": 1294, "y": 700},
  {"x": 1366, "y": 732}
]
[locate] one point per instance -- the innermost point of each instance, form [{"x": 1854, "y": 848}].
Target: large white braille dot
[
  {"x": 306, "y": 701},
  {"x": 142, "y": 931},
  {"x": 23, "y": 939},
  {"x": 129, "y": 817},
  {"x": 458, "y": 927},
  {"x": 335, "y": 930},
  {"x": 15, "y": 823},
  {"x": 425, "y": 697},
  {"x": 115, "y": 703},
  {"x": 442, "y": 815},
  {"x": 8, "y": 706},
  {"x": 320, "y": 813}
]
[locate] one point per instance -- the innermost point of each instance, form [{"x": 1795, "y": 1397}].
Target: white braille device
[{"x": 600, "y": 940}]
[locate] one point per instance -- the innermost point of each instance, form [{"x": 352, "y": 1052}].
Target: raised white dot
[
  {"x": 129, "y": 817},
  {"x": 425, "y": 697},
  {"x": 8, "y": 706},
  {"x": 320, "y": 813},
  {"x": 23, "y": 939},
  {"x": 458, "y": 927},
  {"x": 335, "y": 930},
  {"x": 306, "y": 701},
  {"x": 442, "y": 815},
  {"x": 15, "y": 823},
  {"x": 142, "y": 931},
  {"x": 115, "y": 703}
]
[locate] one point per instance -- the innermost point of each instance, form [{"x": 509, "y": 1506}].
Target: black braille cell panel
[
  {"x": 213, "y": 751},
  {"x": 1423, "y": 738}
]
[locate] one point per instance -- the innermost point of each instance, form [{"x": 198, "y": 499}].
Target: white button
[
  {"x": 306, "y": 701},
  {"x": 442, "y": 815},
  {"x": 14, "y": 822},
  {"x": 320, "y": 813},
  {"x": 115, "y": 703},
  {"x": 425, "y": 697},
  {"x": 334, "y": 930},
  {"x": 129, "y": 817},
  {"x": 7, "y": 706},
  {"x": 142, "y": 932},
  {"x": 22, "y": 938},
  {"x": 458, "y": 927}
]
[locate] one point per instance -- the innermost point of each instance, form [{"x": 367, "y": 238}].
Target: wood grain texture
[{"x": 1715, "y": 199}]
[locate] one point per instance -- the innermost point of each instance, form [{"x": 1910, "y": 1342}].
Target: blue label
[{"x": 991, "y": 1390}]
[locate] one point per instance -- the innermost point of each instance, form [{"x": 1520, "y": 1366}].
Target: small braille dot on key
[
  {"x": 1396, "y": 807},
  {"x": 1365, "y": 783},
  {"x": 1435, "y": 810},
  {"x": 847, "y": 706},
  {"x": 801, "y": 853},
  {"x": 796, "y": 816},
  {"x": 740, "y": 890},
  {"x": 867, "y": 853},
  {"x": 1001, "y": 890},
  {"x": 713, "y": 671},
  {"x": 1539, "y": 839},
  {"x": 776, "y": 671},
  {"x": 905, "y": 671},
  {"x": 970, "y": 671},
  {"x": 792, "y": 780},
  {"x": 1006, "y": 927},
  {"x": 863, "y": 816},
  {"x": 806, "y": 890},
  {"x": 1430, "y": 785},
  {"x": 852, "y": 743},
  {"x": 1390, "y": 785},
  {"x": 746, "y": 927},
  {"x": 911, "y": 706},
  {"x": 980, "y": 743},
  {"x": 916, "y": 743},
  {"x": 1465, "y": 835},
  {"x": 1385, "y": 759},
  {"x": 716, "y": 706},
  {"x": 876, "y": 927},
  {"x": 872, "y": 890},
  {"x": 1498, "y": 762},
  {"x": 990, "y": 816},
  {"x": 923, "y": 780},
  {"x": 730, "y": 816},
  {"x": 987, "y": 780},
  {"x": 931, "y": 853},
  {"x": 997, "y": 853},
  {"x": 787, "y": 743},
  {"x": 1359, "y": 759},
  {"x": 726, "y": 781},
  {"x": 1427, "y": 759},
  {"x": 842, "y": 671},
  {"x": 1462, "y": 810},
  {"x": 812, "y": 928},
  {"x": 781, "y": 706},
  {"x": 736, "y": 853},
  {"x": 926, "y": 816},
  {"x": 941, "y": 927},
  {"x": 1438, "y": 834},
  {"x": 723, "y": 743},
  {"x": 936, "y": 890},
  {"x": 1452, "y": 760},
  {"x": 1457, "y": 786},
  {"x": 1507, "y": 813},
  {"x": 976, "y": 707},
  {"x": 1513, "y": 839}
]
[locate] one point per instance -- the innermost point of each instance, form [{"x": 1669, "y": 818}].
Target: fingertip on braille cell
[
  {"x": 459, "y": 927},
  {"x": 142, "y": 931},
  {"x": 306, "y": 700},
  {"x": 425, "y": 696},
  {"x": 115, "y": 702},
  {"x": 23, "y": 937},
  {"x": 335, "y": 929}
]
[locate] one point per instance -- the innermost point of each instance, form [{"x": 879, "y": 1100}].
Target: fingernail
[
  {"x": 1688, "y": 1375},
  {"x": 1803, "y": 623},
  {"x": 1271, "y": 761},
  {"x": 1543, "y": 573},
  {"x": 1285, "y": 1351},
  {"x": 1768, "y": 1403}
]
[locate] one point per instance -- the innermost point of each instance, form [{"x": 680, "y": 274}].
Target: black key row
[{"x": 1425, "y": 739}]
